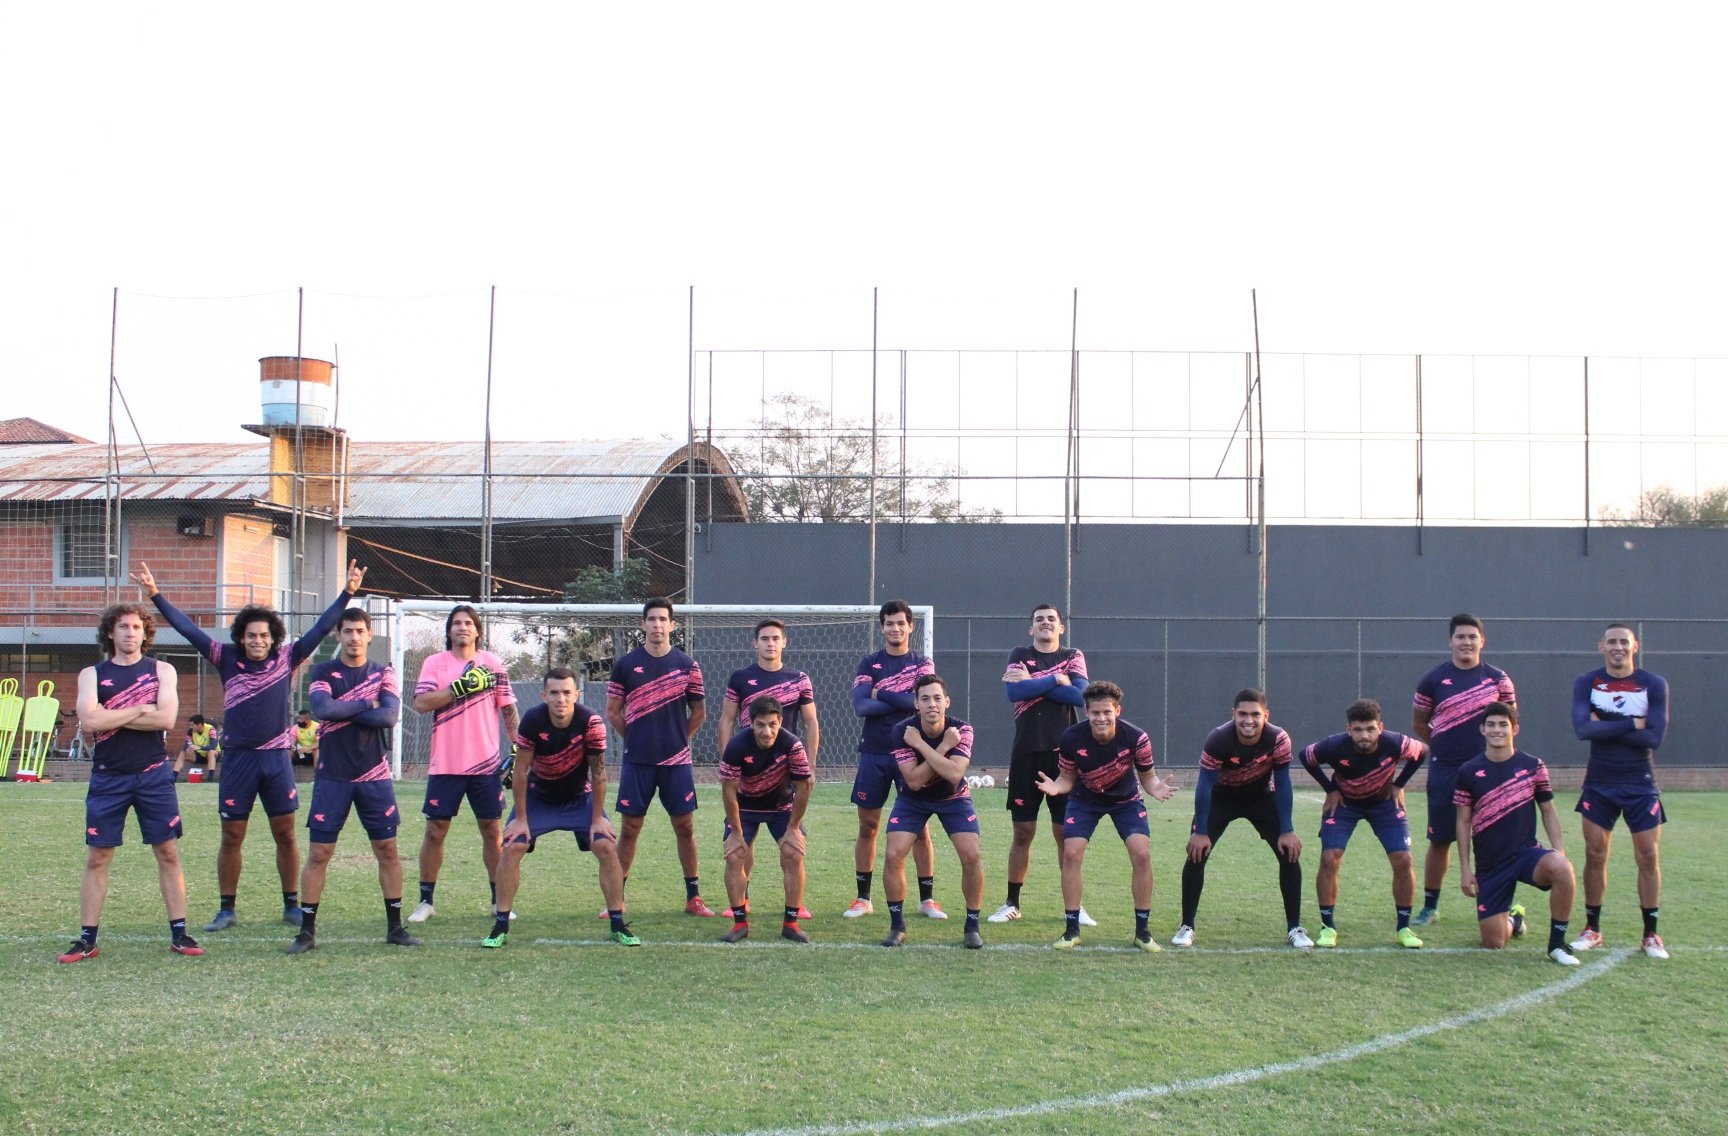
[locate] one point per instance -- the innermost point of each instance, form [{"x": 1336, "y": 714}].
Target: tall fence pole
[
  {"x": 875, "y": 441},
  {"x": 486, "y": 454},
  {"x": 113, "y": 573},
  {"x": 1259, "y": 435},
  {"x": 690, "y": 457},
  {"x": 1071, "y": 472}
]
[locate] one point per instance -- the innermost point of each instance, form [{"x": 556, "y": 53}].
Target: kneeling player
[
  {"x": 1494, "y": 797},
  {"x": 1365, "y": 785},
  {"x": 562, "y": 790},
  {"x": 358, "y": 702},
  {"x": 1104, "y": 762},
  {"x": 934, "y": 751},
  {"x": 764, "y": 780}
]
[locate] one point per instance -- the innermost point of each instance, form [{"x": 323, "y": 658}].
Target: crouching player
[
  {"x": 764, "y": 780},
  {"x": 1495, "y": 819},
  {"x": 357, "y": 702},
  {"x": 1104, "y": 763},
  {"x": 563, "y": 789}
]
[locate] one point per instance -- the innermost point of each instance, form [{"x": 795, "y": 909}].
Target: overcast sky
[{"x": 1477, "y": 179}]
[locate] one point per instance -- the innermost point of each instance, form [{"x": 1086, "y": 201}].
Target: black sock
[
  {"x": 88, "y": 932},
  {"x": 1193, "y": 883},
  {"x": 1014, "y": 893},
  {"x": 426, "y": 890},
  {"x": 1142, "y": 921},
  {"x": 864, "y": 879},
  {"x": 290, "y": 899},
  {"x": 791, "y": 915},
  {"x": 1650, "y": 914},
  {"x": 176, "y": 929},
  {"x": 309, "y": 918},
  {"x": 1072, "y": 930},
  {"x": 493, "y": 884},
  {"x": 971, "y": 919},
  {"x": 1556, "y": 934},
  {"x": 227, "y": 903},
  {"x": 896, "y": 915},
  {"x": 1593, "y": 918},
  {"x": 1431, "y": 898},
  {"x": 1327, "y": 910},
  {"x": 692, "y": 887},
  {"x": 393, "y": 913},
  {"x": 616, "y": 915},
  {"x": 500, "y": 924},
  {"x": 926, "y": 888},
  {"x": 1403, "y": 917}
]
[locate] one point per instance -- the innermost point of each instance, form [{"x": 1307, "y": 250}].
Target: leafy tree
[
  {"x": 561, "y": 640},
  {"x": 809, "y": 467},
  {"x": 1666, "y": 507}
]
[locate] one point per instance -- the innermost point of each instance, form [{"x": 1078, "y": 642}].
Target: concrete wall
[{"x": 1168, "y": 611}]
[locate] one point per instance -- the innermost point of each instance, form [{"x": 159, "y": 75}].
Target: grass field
[{"x": 560, "y": 1032}]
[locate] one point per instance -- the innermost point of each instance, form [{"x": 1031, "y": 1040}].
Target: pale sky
[{"x": 1473, "y": 179}]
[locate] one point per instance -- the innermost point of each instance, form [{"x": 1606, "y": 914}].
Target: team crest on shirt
[
  {"x": 106, "y": 682},
  {"x": 638, "y": 670},
  {"x": 545, "y": 737},
  {"x": 433, "y": 801},
  {"x": 875, "y": 666},
  {"x": 1080, "y": 753},
  {"x": 1481, "y": 773},
  {"x": 318, "y": 816},
  {"x": 750, "y": 682},
  {"x": 1445, "y": 682},
  {"x": 93, "y": 832}
]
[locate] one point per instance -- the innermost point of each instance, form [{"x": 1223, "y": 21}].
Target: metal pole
[
  {"x": 690, "y": 461},
  {"x": 111, "y": 480},
  {"x": 1260, "y": 436},
  {"x": 1420, "y": 472},
  {"x": 486, "y": 455},
  {"x": 1587, "y": 457},
  {"x": 297, "y": 486},
  {"x": 1070, "y": 497},
  {"x": 875, "y": 327},
  {"x": 902, "y": 450}
]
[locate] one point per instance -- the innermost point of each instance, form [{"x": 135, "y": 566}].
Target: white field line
[{"x": 1222, "y": 1080}]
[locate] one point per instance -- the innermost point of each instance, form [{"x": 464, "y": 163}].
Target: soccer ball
[
  {"x": 988, "y": 781},
  {"x": 973, "y": 782}
]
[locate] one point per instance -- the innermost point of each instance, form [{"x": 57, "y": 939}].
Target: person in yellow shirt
[
  {"x": 305, "y": 740},
  {"x": 203, "y": 744}
]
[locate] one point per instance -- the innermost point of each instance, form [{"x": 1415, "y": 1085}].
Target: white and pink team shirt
[{"x": 465, "y": 734}]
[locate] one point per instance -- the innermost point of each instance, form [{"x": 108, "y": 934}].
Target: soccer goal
[{"x": 825, "y": 642}]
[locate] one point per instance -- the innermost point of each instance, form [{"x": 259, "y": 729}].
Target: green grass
[{"x": 684, "y": 1034}]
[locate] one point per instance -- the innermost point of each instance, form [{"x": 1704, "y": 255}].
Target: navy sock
[
  {"x": 792, "y": 915},
  {"x": 926, "y": 888},
  {"x": 1650, "y": 914},
  {"x": 227, "y": 903},
  {"x": 493, "y": 884},
  {"x": 616, "y": 915},
  {"x": 1431, "y": 898},
  {"x": 1556, "y": 934},
  {"x": 392, "y": 913},
  {"x": 1073, "y": 929},
  {"x": 1014, "y": 894},
  {"x": 896, "y": 915},
  {"x": 176, "y": 928},
  {"x": 309, "y": 918},
  {"x": 88, "y": 932},
  {"x": 500, "y": 924},
  {"x": 971, "y": 919},
  {"x": 864, "y": 880},
  {"x": 290, "y": 899},
  {"x": 1593, "y": 917},
  {"x": 426, "y": 890},
  {"x": 1142, "y": 921},
  {"x": 1403, "y": 918},
  {"x": 692, "y": 887},
  {"x": 1327, "y": 910}
]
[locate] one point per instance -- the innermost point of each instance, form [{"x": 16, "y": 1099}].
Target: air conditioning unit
[{"x": 196, "y": 526}]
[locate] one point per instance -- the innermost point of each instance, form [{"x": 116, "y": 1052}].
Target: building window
[{"x": 83, "y": 552}]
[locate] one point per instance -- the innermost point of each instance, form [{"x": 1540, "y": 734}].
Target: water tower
[{"x": 298, "y": 400}]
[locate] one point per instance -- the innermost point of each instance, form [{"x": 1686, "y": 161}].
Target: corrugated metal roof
[
  {"x": 389, "y": 481},
  {"x": 24, "y": 431}
]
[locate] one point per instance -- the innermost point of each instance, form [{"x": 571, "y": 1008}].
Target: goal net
[{"x": 825, "y": 642}]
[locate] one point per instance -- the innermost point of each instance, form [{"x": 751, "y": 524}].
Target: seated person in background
[
  {"x": 305, "y": 739},
  {"x": 203, "y": 745}
]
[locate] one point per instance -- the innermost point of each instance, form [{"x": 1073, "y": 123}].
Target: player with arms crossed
[
  {"x": 465, "y": 688},
  {"x": 1245, "y": 775},
  {"x": 1447, "y": 714},
  {"x": 1621, "y": 709},
  {"x": 882, "y": 697},
  {"x": 1103, "y": 764},
  {"x": 563, "y": 789},
  {"x": 125, "y": 703},
  {"x": 655, "y": 701},
  {"x": 1045, "y": 682},
  {"x": 1497, "y": 799},
  {"x": 933, "y": 754},
  {"x": 768, "y": 677},
  {"x": 765, "y": 779},
  {"x": 1370, "y": 765},
  {"x": 358, "y": 702},
  {"x": 257, "y": 670}
]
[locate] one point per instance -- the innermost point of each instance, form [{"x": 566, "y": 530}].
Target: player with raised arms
[
  {"x": 1498, "y": 796},
  {"x": 1621, "y": 709},
  {"x": 125, "y": 702},
  {"x": 882, "y": 697},
  {"x": 356, "y": 703},
  {"x": 563, "y": 789},
  {"x": 1447, "y": 714},
  {"x": 655, "y": 701},
  {"x": 1103, "y": 764},
  {"x": 765, "y": 780},
  {"x": 257, "y": 668},
  {"x": 1369, "y": 767},
  {"x": 465, "y": 688},
  {"x": 1245, "y": 775},
  {"x": 933, "y": 754}
]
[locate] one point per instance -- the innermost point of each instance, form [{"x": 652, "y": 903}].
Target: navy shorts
[
  {"x": 877, "y": 773},
  {"x": 1389, "y": 822},
  {"x": 637, "y": 785},
  {"x": 575, "y": 817},
  {"x": 1081, "y": 820},
  {"x": 1642, "y": 805},
  {"x": 777, "y": 820},
  {"x": 1442, "y": 813},
  {"x": 444, "y": 793},
  {"x": 249, "y": 775},
  {"x": 911, "y": 814},
  {"x": 1025, "y": 798},
  {"x": 373, "y": 801},
  {"x": 150, "y": 794},
  {"x": 1494, "y": 889}
]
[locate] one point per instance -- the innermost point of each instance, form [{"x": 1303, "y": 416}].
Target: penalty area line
[{"x": 1247, "y": 1076}]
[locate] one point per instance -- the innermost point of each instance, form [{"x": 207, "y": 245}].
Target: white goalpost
[{"x": 824, "y": 641}]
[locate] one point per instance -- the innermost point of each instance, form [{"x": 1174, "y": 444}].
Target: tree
[
  {"x": 1667, "y": 507},
  {"x": 811, "y": 467},
  {"x": 559, "y": 640}
]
